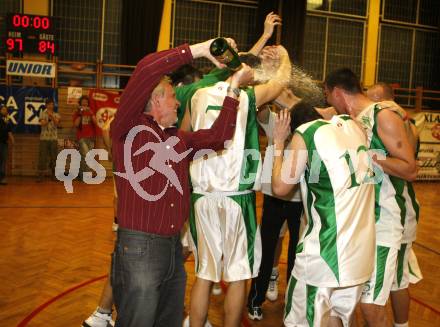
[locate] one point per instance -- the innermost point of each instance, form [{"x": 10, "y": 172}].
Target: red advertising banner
[{"x": 104, "y": 104}]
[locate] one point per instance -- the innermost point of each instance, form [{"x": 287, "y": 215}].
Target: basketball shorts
[
  {"x": 225, "y": 236},
  {"x": 407, "y": 268},
  {"x": 377, "y": 289},
  {"x": 312, "y": 306}
]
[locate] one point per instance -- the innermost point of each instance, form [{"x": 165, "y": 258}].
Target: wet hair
[
  {"x": 302, "y": 112},
  {"x": 158, "y": 90},
  {"x": 250, "y": 59},
  {"x": 345, "y": 79},
  {"x": 186, "y": 74}
]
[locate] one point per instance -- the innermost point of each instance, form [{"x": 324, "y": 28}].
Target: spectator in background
[
  {"x": 49, "y": 121},
  {"x": 84, "y": 121},
  {"x": 5, "y": 135}
]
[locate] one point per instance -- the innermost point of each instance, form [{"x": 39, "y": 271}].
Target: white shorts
[
  {"x": 308, "y": 305},
  {"x": 377, "y": 289},
  {"x": 406, "y": 270},
  {"x": 225, "y": 236},
  {"x": 415, "y": 274}
]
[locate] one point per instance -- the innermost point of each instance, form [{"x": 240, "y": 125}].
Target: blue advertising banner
[{"x": 25, "y": 104}]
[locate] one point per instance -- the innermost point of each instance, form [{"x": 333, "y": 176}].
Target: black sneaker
[{"x": 255, "y": 313}]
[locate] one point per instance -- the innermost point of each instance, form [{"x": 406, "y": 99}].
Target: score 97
[{"x": 14, "y": 44}]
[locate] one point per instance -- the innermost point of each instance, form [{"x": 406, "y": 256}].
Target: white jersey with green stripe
[
  {"x": 336, "y": 248},
  {"x": 412, "y": 209},
  {"x": 238, "y": 167},
  {"x": 411, "y": 215},
  {"x": 391, "y": 206}
]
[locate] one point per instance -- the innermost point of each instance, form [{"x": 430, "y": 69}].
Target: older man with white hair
[{"x": 148, "y": 276}]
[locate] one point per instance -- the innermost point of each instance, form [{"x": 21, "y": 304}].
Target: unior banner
[
  {"x": 428, "y": 125},
  {"x": 24, "y": 106},
  {"x": 104, "y": 104},
  {"x": 30, "y": 68}
]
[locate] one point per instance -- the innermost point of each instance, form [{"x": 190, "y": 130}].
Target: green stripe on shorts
[
  {"x": 192, "y": 221},
  {"x": 311, "y": 295},
  {"x": 292, "y": 284},
  {"x": 400, "y": 257},
  {"x": 248, "y": 210},
  {"x": 381, "y": 261}
]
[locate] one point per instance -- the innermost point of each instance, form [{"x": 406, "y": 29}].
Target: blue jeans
[
  {"x": 3, "y": 159},
  {"x": 148, "y": 280}
]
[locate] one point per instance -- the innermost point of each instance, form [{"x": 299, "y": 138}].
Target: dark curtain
[
  {"x": 436, "y": 85},
  {"x": 139, "y": 30},
  {"x": 293, "y": 13},
  {"x": 265, "y": 7}
]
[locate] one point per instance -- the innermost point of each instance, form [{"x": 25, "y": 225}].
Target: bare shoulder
[{"x": 389, "y": 119}]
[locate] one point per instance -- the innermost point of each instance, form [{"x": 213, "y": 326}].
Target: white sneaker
[
  {"x": 186, "y": 322},
  {"x": 99, "y": 320},
  {"x": 216, "y": 289},
  {"x": 255, "y": 313},
  {"x": 272, "y": 290}
]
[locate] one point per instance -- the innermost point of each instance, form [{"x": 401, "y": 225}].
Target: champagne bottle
[{"x": 223, "y": 52}]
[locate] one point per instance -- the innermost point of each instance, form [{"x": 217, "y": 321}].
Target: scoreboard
[{"x": 30, "y": 34}]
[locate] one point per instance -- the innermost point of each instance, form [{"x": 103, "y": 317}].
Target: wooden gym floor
[{"x": 55, "y": 251}]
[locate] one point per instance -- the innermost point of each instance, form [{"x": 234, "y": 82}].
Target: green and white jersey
[
  {"x": 412, "y": 208},
  {"x": 336, "y": 248},
  {"x": 412, "y": 214},
  {"x": 238, "y": 167},
  {"x": 390, "y": 206}
]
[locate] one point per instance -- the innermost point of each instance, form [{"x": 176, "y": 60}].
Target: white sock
[{"x": 405, "y": 324}]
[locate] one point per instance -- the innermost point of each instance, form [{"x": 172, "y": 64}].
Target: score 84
[
  {"x": 16, "y": 44},
  {"x": 46, "y": 46}
]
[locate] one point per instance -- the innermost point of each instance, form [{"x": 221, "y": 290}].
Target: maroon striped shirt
[{"x": 166, "y": 214}]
